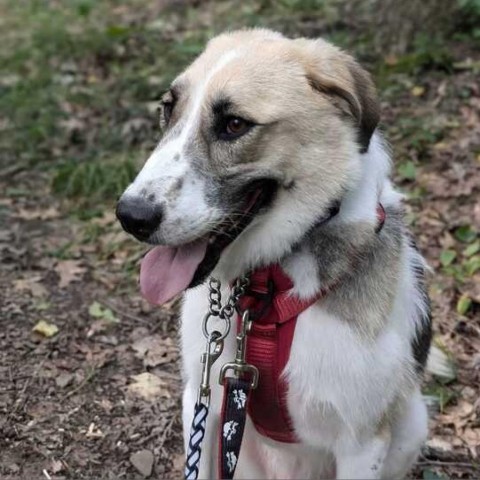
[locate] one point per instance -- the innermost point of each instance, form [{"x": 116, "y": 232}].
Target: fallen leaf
[
  {"x": 471, "y": 436},
  {"x": 428, "y": 474},
  {"x": 46, "y": 329},
  {"x": 447, "y": 257},
  {"x": 143, "y": 462},
  {"x": 417, "y": 91},
  {"x": 64, "y": 379},
  {"x": 472, "y": 249},
  {"x": 472, "y": 288},
  {"x": 37, "y": 214},
  {"x": 148, "y": 386},
  {"x": 69, "y": 271},
  {"x": 56, "y": 466},
  {"x": 407, "y": 170},
  {"x": 155, "y": 350},
  {"x": 31, "y": 285},
  {"x": 96, "y": 310},
  {"x": 438, "y": 443},
  {"x": 463, "y": 305}
]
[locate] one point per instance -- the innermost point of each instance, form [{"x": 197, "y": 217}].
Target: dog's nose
[{"x": 138, "y": 216}]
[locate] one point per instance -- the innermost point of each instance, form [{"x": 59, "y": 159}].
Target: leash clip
[
  {"x": 212, "y": 351},
  {"x": 239, "y": 366}
]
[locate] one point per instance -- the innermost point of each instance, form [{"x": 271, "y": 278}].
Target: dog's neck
[
  {"x": 326, "y": 252},
  {"x": 323, "y": 253}
]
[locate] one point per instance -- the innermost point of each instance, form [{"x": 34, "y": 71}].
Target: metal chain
[
  {"x": 212, "y": 352},
  {"x": 226, "y": 311}
]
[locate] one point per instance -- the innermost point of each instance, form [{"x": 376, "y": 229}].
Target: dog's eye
[{"x": 235, "y": 127}]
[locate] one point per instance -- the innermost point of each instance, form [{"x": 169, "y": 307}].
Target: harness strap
[
  {"x": 236, "y": 397},
  {"x": 268, "y": 348}
]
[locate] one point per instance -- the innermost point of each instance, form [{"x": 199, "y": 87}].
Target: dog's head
[{"x": 261, "y": 135}]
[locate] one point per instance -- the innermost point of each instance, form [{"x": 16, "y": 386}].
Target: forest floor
[{"x": 89, "y": 372}]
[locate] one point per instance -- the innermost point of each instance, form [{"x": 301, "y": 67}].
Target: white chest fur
[{"x": 341, "y": 386}]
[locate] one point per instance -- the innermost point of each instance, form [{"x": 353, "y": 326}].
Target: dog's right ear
[{"x": 332, "y": 72}]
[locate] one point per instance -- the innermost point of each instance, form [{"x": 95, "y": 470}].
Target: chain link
[
  {"x": 226, "y": 311},
  {"x": 219, "y": 311},
  {"x": 215, "y": 297}
]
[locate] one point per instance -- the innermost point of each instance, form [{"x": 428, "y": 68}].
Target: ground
[{"x": 89, "y": 373}]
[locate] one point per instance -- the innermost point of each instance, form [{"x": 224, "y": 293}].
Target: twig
[
  {"x": 440, "y": 463},
  {"x": 46, "y": 474},
  {"x": 134, "y": 318},
  {"x": 16, "y": 406},
  {"x": 167, "y": 431},
  {"x": 76, "y": 389}
]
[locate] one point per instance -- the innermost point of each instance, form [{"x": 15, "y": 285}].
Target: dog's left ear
[{"x": 337, "y": 75}]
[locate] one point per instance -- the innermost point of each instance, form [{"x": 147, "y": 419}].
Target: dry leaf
[
  {"x": 31, "y": 285},
  {"x": 29, "y": 214},
  {"x": 471, "y": 436},
  {"x": 148, "y": 386},
  {"x": 69, "y": 271},
  {"x": 46, "y": 329},
  {"x": 155, "y": 350},
  {"x": 57, "y": 466},
  {"x": 143, "y": 461},
  {"x": 418, "y": 91}
]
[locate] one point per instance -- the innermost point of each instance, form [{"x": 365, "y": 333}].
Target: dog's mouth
[{"x": 168, "y": 271}]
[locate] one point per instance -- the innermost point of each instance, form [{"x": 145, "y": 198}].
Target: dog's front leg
[
  {"x": 208, "y": 463},
  {"x": 362, "y": 460}
]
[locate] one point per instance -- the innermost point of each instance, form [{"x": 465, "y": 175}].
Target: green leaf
[
  {"x": 472, "y": 249},
  {"x": 407, "y": 170},
  {"x": 431, "y": 475},
  {"x": 98, "y": 311},
  {"x": 463, "y": 305},
  {"x": 447, "y": 257},
  {"x": 465, "y": 234},
  {"x": 472, "y": 265},
  {"x": 95, "y": 310}
]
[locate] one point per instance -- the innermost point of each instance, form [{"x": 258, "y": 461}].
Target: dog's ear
[{"x": 337, "y": 75}]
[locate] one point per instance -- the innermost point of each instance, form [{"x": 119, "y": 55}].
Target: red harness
[{"x": 274, "y": 311}]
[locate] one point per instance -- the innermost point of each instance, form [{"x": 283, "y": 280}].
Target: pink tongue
[{"x": 167, "y": 271}]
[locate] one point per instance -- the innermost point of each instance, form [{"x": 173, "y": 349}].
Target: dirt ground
[
  {"x": 89, "y": 373},
  {"x": 72, "y": 405}
]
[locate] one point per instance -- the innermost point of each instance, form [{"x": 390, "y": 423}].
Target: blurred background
[{"x": 89, "y": 374}]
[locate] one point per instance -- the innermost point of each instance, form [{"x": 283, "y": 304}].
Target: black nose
[{"x": 138, "y": 216}]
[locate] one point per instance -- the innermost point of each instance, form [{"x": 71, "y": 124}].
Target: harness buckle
[{"x": 239, "y": 366}]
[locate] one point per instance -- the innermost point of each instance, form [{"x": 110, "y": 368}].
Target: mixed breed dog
[{"x": 271, "y": 156}]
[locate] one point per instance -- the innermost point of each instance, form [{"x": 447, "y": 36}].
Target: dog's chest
[{"x": 336, "y": 379}]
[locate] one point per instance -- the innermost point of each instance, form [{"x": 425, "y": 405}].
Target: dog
[{"x": 263, "y": 137}]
